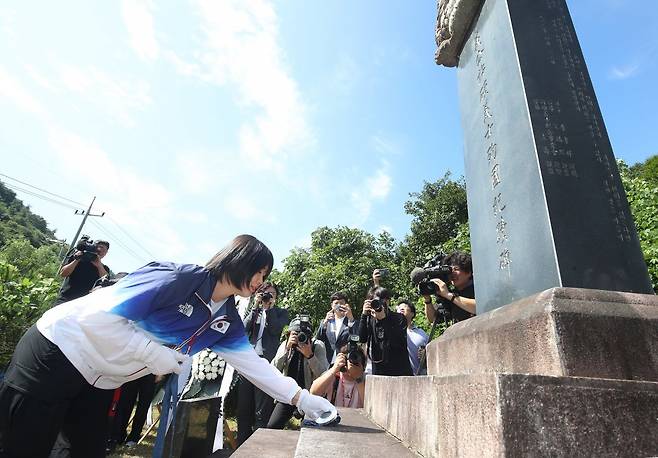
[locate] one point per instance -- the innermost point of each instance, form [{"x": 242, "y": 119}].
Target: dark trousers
[
  {"x": 43, "y": 393},
  {"x": 280, "y": 415},
  {"x": 254, "y": 409},
  {"x": 142, "y": 391}
]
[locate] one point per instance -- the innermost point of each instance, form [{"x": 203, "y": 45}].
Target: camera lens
[{"x": 376, "y": 305}]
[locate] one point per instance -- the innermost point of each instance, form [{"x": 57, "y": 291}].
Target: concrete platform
[
  {"x": 562, "y": 332},
  {"x": 517, "y": 415},
  {"x": 355, "y": 436},
  {"x": 269, "y": 443}
]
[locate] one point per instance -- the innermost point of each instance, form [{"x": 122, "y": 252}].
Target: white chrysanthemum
[
  {"x": 202, "y": 376},
  {"x": 214, "y": 363},
  {"x": 206, "y": 360},
  {"x": 212, "y": 355}
]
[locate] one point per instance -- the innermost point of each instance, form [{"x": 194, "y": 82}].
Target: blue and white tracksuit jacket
[{"x": 105, "y": 334}]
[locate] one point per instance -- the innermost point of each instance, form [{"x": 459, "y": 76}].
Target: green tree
[
  {"x": 339, "y": 259},
  {"x": 28, "y": 286},
  {"x": 647, "y": 170},
  {"x": 439, "y": 215},
  {"x": 643, "y": 200}
]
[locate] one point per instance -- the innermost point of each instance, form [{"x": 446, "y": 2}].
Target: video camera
[
  {"x": 354, "y": 353},
  {"x": 421, "y": 276},
  {"x": 88, "y": 247},
  {"x": 301, "y": 324}
]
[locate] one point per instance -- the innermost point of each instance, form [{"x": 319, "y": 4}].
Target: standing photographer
[
  {"x": 456, "y": 300},
  {"x": 385, "y": 332},
  {"x": 82, "y": 269},
  {"x": 301, "y": 358},
  {"x": 336, "y": 327},
  {"x": 263, "y": 325}
]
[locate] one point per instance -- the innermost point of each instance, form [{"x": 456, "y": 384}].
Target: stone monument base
[
  {"x": 517, "y": 415},
  {"x": 567, "y": 372}
]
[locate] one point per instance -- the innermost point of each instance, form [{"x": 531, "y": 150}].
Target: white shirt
[{"x": 416, "y": 338}]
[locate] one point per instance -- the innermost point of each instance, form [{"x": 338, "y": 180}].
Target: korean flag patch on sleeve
[{"x": 220, "y": 325}]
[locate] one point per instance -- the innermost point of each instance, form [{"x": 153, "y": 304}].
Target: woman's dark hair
[
  {"x": 240, "y": 260},
  {"x": 378, "y": 291}
]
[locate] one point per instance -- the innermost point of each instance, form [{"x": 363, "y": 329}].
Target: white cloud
[
  {"x": 241, "y": 48},
  {"x": 384, "y": 145},
  {"x": 138, "y": 19},
  {"x": 135, "y": 201},
  {"x": 375, "y": 188},
  {"x": 13, "y": 89},
  {"x": 379, "y": 186},
  {"x": 240, "y": 207},
  {"x": 121, "y": 99},
  {"x": 624, "y": 72}
]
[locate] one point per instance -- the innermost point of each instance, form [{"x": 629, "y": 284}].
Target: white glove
[
  {"x": 313, "y": 406},
  {"x": 162, "y": 360}
]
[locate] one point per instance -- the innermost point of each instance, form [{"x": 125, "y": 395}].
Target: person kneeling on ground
[
  {"x": 344, "y": 384},
  {"x": 300, "y": 357}
]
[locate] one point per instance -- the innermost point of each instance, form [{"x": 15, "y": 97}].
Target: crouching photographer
[
  {"x": 385, "y": 333},
  {"x": 300, "y": 357},
  {"x": 450, "y": 279},
  {"x": 344, "y": 384}
]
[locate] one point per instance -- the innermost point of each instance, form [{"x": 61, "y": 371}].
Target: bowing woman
[{"x": 65, "y": 367}]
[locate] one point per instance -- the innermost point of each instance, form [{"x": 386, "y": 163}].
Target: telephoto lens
[{"x": 266, "y": 296}]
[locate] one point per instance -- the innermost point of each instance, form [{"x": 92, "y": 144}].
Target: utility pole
[
  {"x": 86, "y": 214},
  {"x": 75, "y": 237}
]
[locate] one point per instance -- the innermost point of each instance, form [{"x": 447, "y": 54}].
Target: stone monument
[
  {"x": 562, "y": 359},
  {"x": 546, "y": 204}
]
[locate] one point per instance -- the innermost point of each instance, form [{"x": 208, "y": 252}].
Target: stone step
[
  {"x": 269, "y": 443},
  {"x": 356, "y": 436}
]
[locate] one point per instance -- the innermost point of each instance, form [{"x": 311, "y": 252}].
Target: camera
[
  {"x": 376, "y": 304},
  {"x": 88, "y": 247},
  {"x": 302, "y": 326},
  {"x": 421, "y": 276},
  {"x": 354, "y": 353},
  {"x": 266, "y": 296}
]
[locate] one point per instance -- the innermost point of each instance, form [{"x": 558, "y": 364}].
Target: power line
[
  {"x": 66, "y": 205},
  {"x": 114, "y": 239},
  {"x": 42, "y": 190},
  {"x": 34, "y": 194},
  {"x": 131, "y": 238}
]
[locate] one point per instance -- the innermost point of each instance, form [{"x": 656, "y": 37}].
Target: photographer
[
  {"x": 301, "y": 358},
  {"x": 344, "y": 384},
  {"x": 416, "y": 338},
  {"x": 82, "y": 269},
  {"x": 385, "y": 332},
  {"x": 263, "y": 325},
  {"x": 336, "y": 327},
  {"x": 456, "y": 299},
  {"x": 149, "y": 322}
]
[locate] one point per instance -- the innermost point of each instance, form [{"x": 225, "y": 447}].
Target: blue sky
[{"x": 195, "y": 122}]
